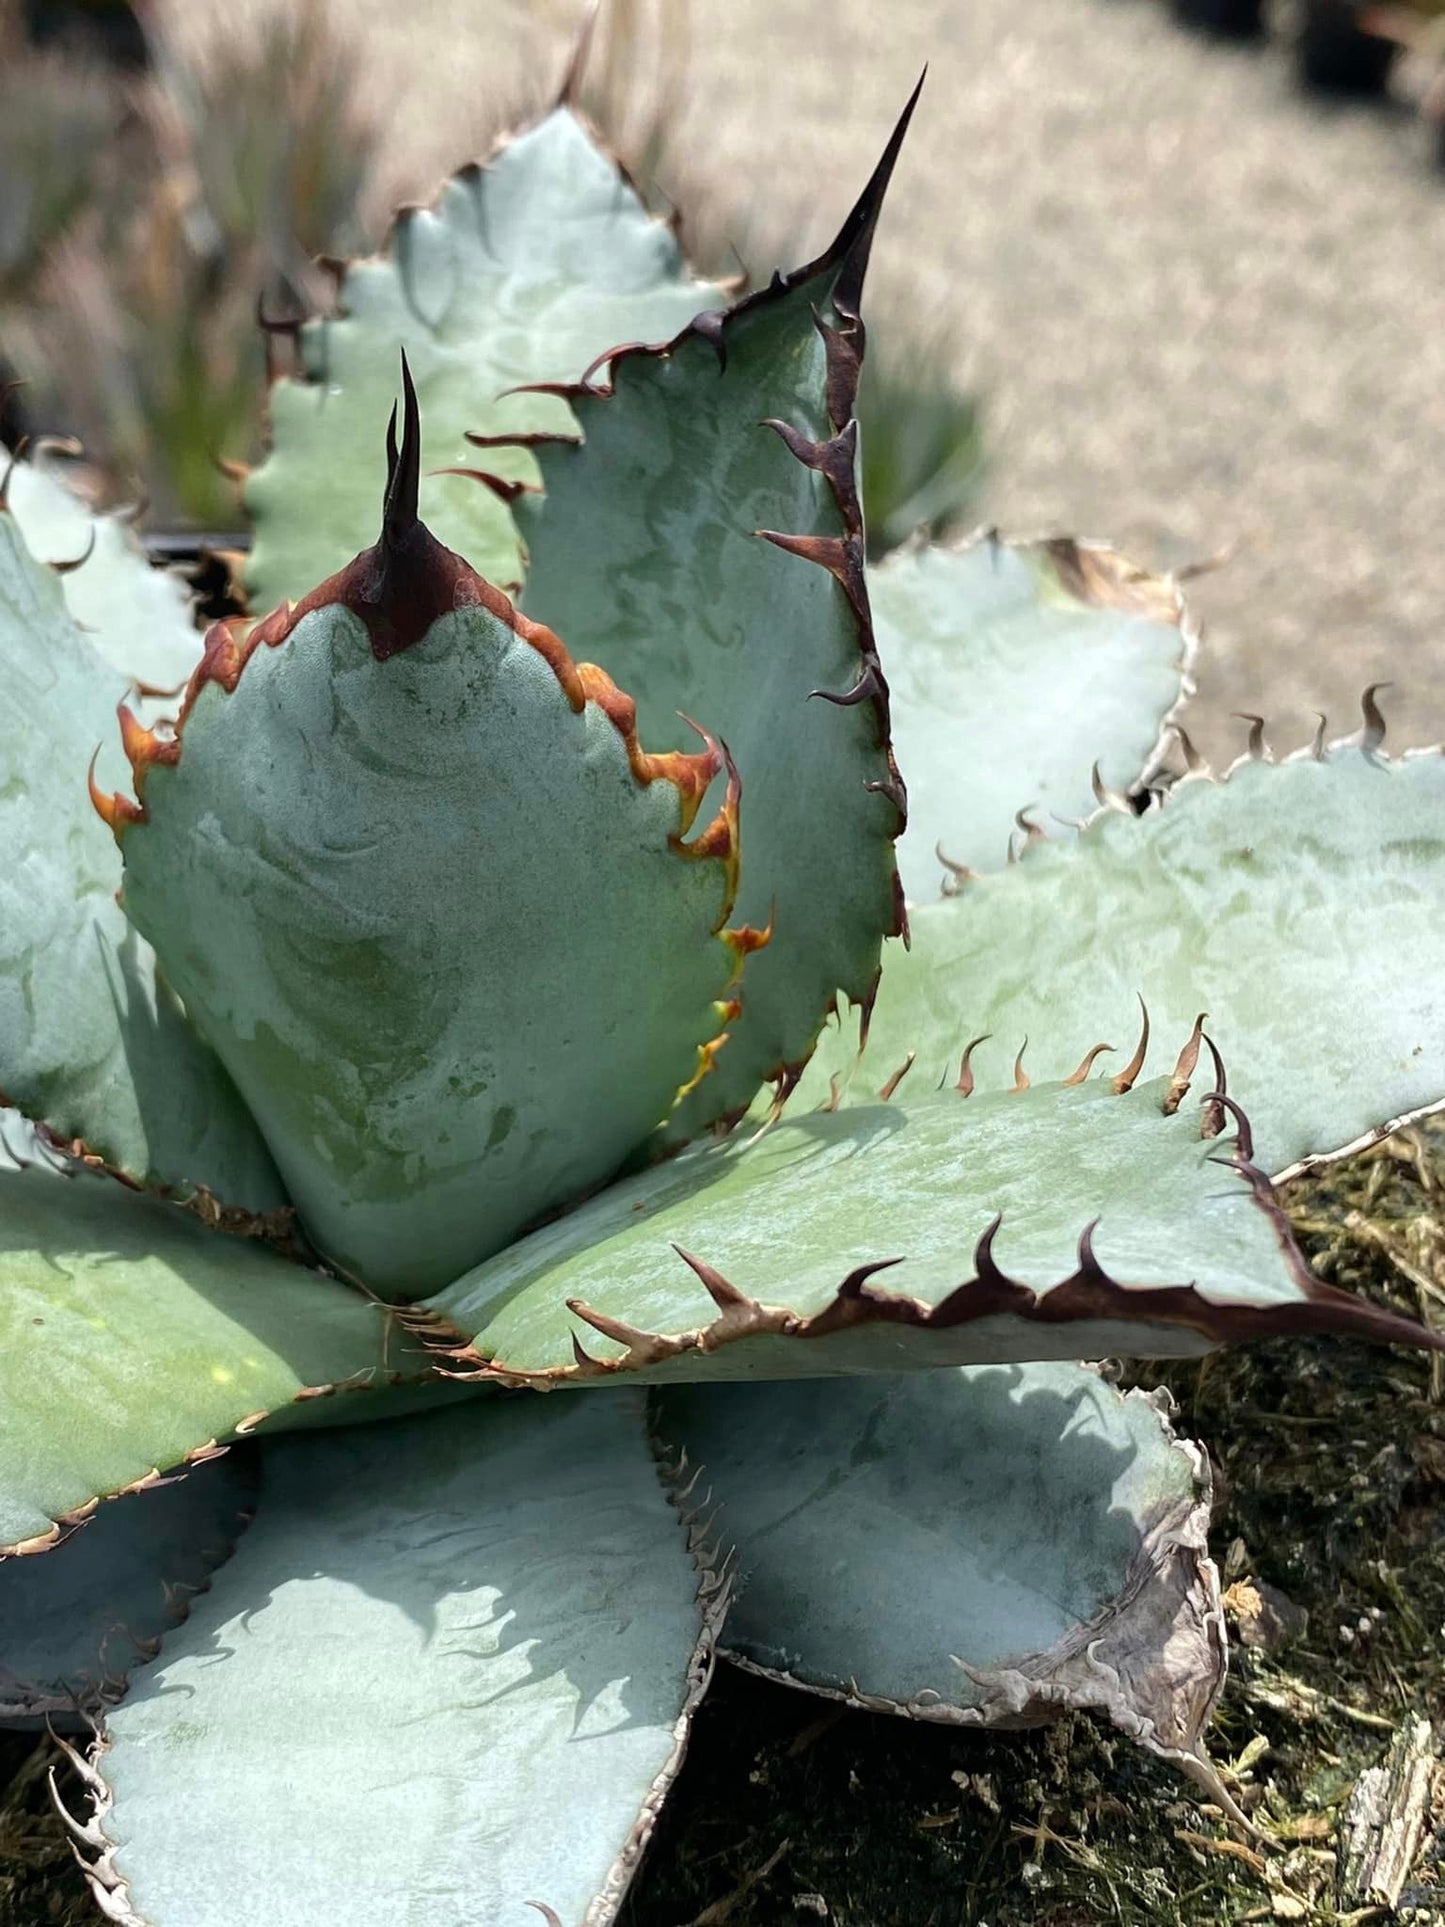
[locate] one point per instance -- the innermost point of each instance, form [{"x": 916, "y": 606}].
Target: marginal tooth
[
  {"x": 1194, "y": 763},
  {"x": 724, "y": 1294},
  {"x": 1373, "y": 733},
  {"x": 15, "y": 454},
  {"x": 1211, "y": 1121},
  {"x": 1021, "y": 1076},
  {"x": 1244, "y": 1139},
  {"x": 1256, "y": 749},
  {"x": 854, "y": 1285},
  {"x": 1317, "y": 745},
  {"x": 897, "y": 1078},
  {"x": 1089, "y": 1265},
  {"x": 69, "y": 568},
  {"x": 964, "y": 1086},
  {"x": 1127, "y": 1077},
  {"x": 1184, "y": 1068},
  {"x": 1081, "y": 1074},
  {"x": 985, "y": 1266},
  {"x": 504, "y": 490},
  {"x": 958, "y": 873},
  {"x": 1107, "y": 798},
  {"x": 614, "y": 1328},
  {"x": 1033, "y": 832},
  {"x": 868, "y": 687}
]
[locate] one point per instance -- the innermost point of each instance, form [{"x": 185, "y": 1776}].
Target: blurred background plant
[
  {"x": 150, "y": 194},
  {"x": 143, "y": 209}
]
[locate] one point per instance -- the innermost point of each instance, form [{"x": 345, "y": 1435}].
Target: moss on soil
[{"x": 1330, "y": 1464}]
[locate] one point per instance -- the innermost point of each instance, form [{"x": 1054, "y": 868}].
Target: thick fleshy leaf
[
  {"x": 1298, "y": 904},
  {"x": 645, "y": 553},
  {"x": 76, "y": 1623},
  {"x": 137, "y": 618},
  {"x": 132, "y": 1338},
  {"x": 425, "y": 893},
  {"x": 526, "y": 269},
  {"x": 1055, "y": 1222},
  {"x": 91, "y": 1044},
  {"x": 1014, "y": 671},
  {"x": 450, "y": 1670},
  {"x": 989, "y": 1546}
]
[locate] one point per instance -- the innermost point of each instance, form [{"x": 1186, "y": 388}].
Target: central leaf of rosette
[{"x": 421, "y": 888}]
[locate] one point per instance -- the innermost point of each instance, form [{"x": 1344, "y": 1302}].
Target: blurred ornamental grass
[{"x": 141, "y": 214}]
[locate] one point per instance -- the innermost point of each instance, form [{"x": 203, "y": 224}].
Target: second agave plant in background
[{"x": 447, "y": 966}]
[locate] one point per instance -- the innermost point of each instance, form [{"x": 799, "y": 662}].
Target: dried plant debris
[{"x": 1330, "y": 1529}]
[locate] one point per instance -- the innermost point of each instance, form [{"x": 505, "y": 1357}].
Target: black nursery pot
[
  {"x": 1222, "y": 19},
  {"x": 1334, "y": 54},
  {"x": 108, "y": 30},
  {"x": 203, "y": 561}
]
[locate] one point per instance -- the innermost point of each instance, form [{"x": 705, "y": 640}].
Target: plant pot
[
  {"x": 107, "y": 30},
  {"x": 209, "y": 563},
  {"x": 1335, "y": 55},
  {"x": 1222, "y": 19}
]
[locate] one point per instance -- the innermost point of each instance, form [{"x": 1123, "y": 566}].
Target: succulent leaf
[
  {"x": 1014, "y": 670},
  {"x": 137, "y": 618},
  {"x": 132, "y": 1338},
  {"x": 1052, "y": 1221},
  {"x": 92, "y": 1045},
  {"x": 645, "y": 550},
  {"x": 526, "y": 269},
  {"x": 1298, "y": 904},
  {"x": 75, "y": 1624},
  {"x": 983, "y": 1546},
  {"x": 429, "y": 898},
  {"x": 459, "y": 1683}
]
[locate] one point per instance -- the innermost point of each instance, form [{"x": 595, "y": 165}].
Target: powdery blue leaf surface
[
  {"x": 1014, "y": 669},
  {"x": 993, "y": 1545},
  {"x": 75, "y": 1623},
  {"x": 137, "y": 618},
  {"x": 92, "y": 1045},
  {"x": 429, "y": 898},
  {"x": 450, "y": 1670},
  {"x": 132, "y": 1337},
  {"x": 1055, "y": 1222},
  {"x": 1298, "y": 904},
  {"x": 704, "y": 544},
  {"x": 524, "y": 271}
]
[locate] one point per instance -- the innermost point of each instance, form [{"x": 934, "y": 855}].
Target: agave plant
[{"x": 468, "y": 1029}]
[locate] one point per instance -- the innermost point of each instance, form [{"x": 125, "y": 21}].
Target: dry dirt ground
[{"x": 1199, "y": 310}]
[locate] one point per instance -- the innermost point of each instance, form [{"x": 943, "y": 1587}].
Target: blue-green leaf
[
  {"x": 137, "y": 618},
  {"x": 430, "y": 900},
  {"x": 92, "y": 1043},
  {"x": 75, "y": 1623},
  {"x": 133, "y": 1338},
  {"x": 981, "y": 1546},
  {"x": 645, "y": 552},
  {"x": 525, "y": 270},
  {"x": 1016, "y": 671},
  {"x": 1298, "y": 904},
  {"x": 1058, "y": 1221},
  {"x": 450, "y": 1670}
]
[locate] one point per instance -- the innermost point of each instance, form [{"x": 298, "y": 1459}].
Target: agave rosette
[{"x": 448, "y": 955}]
